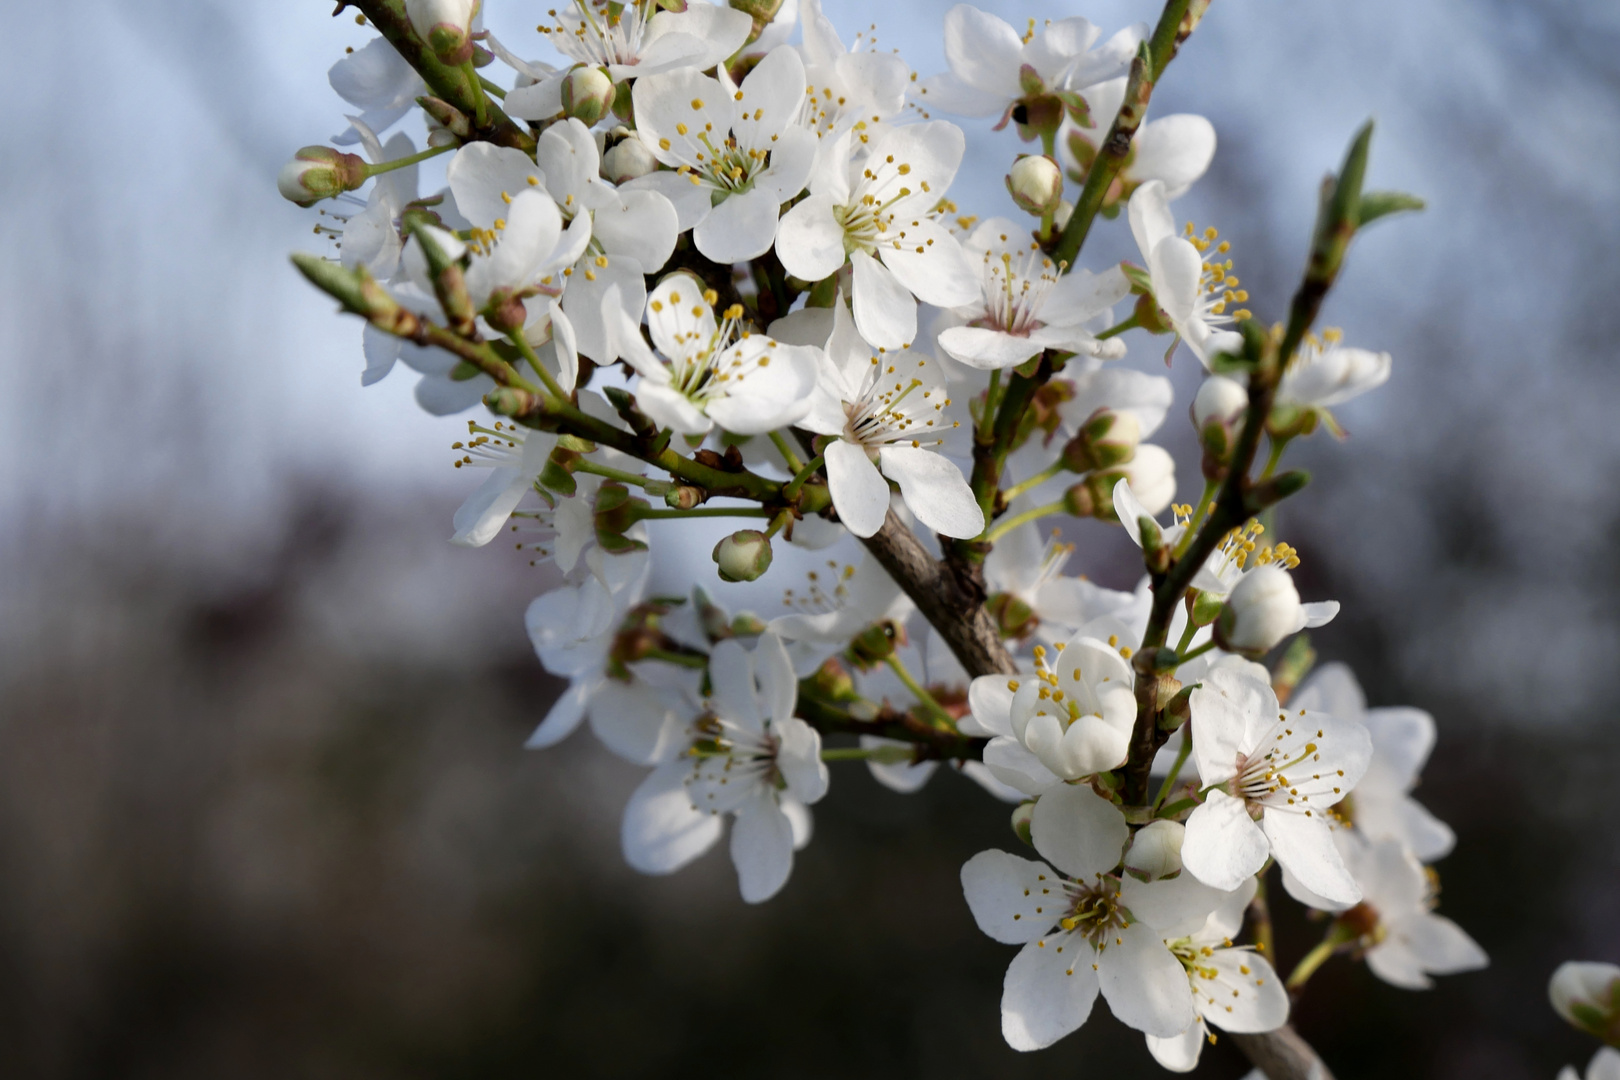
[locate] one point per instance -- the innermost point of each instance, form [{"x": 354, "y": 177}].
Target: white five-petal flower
[
  {"x": 718, "y": 371},
  {"x": 1189, "y": 290},
  {"x": 747, "y": 756},
  {"x": 1286, "y": 768},
  {"x": 737, "y": 151},
  {"x": 887, "y": 412},
  {"x": 874, "y": 209},
  {"x": 1079, "y": 929},
  {"x": 1028, "y": 304}
]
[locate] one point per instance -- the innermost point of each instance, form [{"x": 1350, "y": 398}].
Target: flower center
[
  {"x": 1095, "y": 913},
  {"x": 1015, "y": 289},
  {"x": 1218, "y": 285},
  {"x": 601, "y": 32},
  {"x": 729, "y": 764},
  {"x": 1239, "y": 545},
  {"x": 893, "y": 409}
]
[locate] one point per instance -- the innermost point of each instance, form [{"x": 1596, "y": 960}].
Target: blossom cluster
[{"x": 703, "y": 261}]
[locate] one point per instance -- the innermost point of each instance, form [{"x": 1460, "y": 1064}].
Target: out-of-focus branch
[
  {"x": 1282, "y": 1055},
  {"x": 455, "y": 84}
]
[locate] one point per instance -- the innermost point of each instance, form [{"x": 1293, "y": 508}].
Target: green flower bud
[
  {"x": 745, "y": 555},
  {"x": 319, "y": 172},
  {"x": 1106, "y": 439},
  {"x": 587, "y": 94},
  {"x": 1023, "y": 816},
  {"x": 628, "y": 159}
]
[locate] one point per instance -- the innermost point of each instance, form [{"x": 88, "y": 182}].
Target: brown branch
[
  {"x": 949, "y": 604},
  {"x": 1282, "y": 1055},
  {"x": 932, "y": 743}
]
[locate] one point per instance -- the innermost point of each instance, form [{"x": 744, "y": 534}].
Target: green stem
[
  {"x": 805, "y": 472},
  {"x": 707, "y": 512},
  {"x": 1274, "y": 458},
  {"x": 475, "y": 83},
  {"x": 522, "y": 344},
  {"x": 1200, "y": 651},
  {"x": 1116, "y": 147},
  {"x": 1175, "y": 770},
  {"x": 777, "y": 522},
  {"x": 1035, "y": 481},
  {"x": 882, "y": 754},
  {"x": 786, "y": 451},
  {"x": 1007, "y": 525},
  {"x": 919, "y": 691},
  {"x": 1176, "y": 807},
  {"x": 1119, "y": 328},
  {"x": 1265, "y": 941},
  {"x": 988, "y": 420},
  {"x": 1210, "y": 487},
  {"x": 492, "y": 88},
  {"x": 690, "y": 660},
  {"x": 1337, "y": 935},
  {"x": 586, "y": 465},
  {"x": 1186, "y": 636},
  {"x": 400, "y": 163}
]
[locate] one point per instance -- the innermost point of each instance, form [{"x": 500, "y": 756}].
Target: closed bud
[
  {"x": 1588, "y": 996},
  {"x": 1155, "y": 852},
  {"x": 558, "y": 472},
  {"x": 1152, "y": 473},
  {"x": 1178, "y": 710},
  {"x": 628, "y": 159},
  {"x": 445, "y": 25},
  {"x": 587, "y": 94},
  {"x": 1206, "y": 607},
  {"x": 876, "y": 644},
  {"x": 319, "y": 172},
  {"x": 1013, "y": 617},
  {"x": 447, "y": 116},
  {"x": 1149, "y": 317},
  {"x": 745, "y": 555},
  {"x": 505, "y": 312},
  {"x": 1263, "y": 609},
  {"x": 1220, "y": 400},
  {"x": 616, "y": 511},
  {"x": 1023, "y": 817},
  {"x": 1036, "y": 183},
  {"x": 1106, "y": 439},
  {"x": 761, "y": 11}
]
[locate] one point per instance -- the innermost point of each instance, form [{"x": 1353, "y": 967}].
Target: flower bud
[
  {"x": 1106, "y": 439},
  {"x": 1588, "y": 996},
  {"x": 876, "y": 644},
  {"x": 1036, "y": 183},
  {"x": 319, "y": 172},
  {"x": 587, "y": 94},
  {"x": 628, "y": 159},
  {"x": 1156, "y": 851},
  {"x": 1023, "y": 821},
  {"x": 616, "y": 510},
  {"x": 1220, "y": 400},
  {"x": 1263, "y": 609},
  {"x": 1152, "y": 473},
  {"x": 445, "y": 25},
  {"x": 745, "y": 555},
  {"x": 1012, "y": 616}
]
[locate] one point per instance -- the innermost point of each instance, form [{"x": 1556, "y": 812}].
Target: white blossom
[
  {"x": 717, "y": 372},
  {"x": 1324, "y": 372},
  {"x": 988, "y": 60},
  {"x": 1028, "y": 304},
  {"x": 886, "y": 413},
  {"x": 1081, "y": 929},
  {"x": 736, "y": 152},
  {"x": 874, "y": 210},
  {"x": 857, "y": 88},
  {"x": 1191, "y": 291},
  {"x": 748, "y": 757},
  {"x": 1175, "y": 150},
  {"x": 1233, "y": 987},
  {"x": 379, "y": 82},
  {"x": 1284, "y": 768},
  {"x": 1382, "y": 807},
  {"x": 1605, "y": 1065}
]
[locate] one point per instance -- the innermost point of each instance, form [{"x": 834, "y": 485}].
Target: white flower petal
[
  {"x": 1003, "y": 892},
  {"x": 740, "y": 228},
  {"x": 810, "y": 241},
  {"x": 934, "y": 489},
  {"x": 1145, "y": 985},
  {"x": 1047, "y": 994},
  {"x": 1179, "y": 1053},
  {"x": 885, "y": 313},
  {"x": 986, "y": 349},
  {"x": 1305, "y": 846},
  {"x": 761, "y": 848},
  {"x": 859, "y": 492},
  {"x": 731, "y": 670},
  {"x": 562, "y": 718},
  {"x": 662, "y": 831},
  {"x": 1224, "y": 846},
  {"x": 1078, "y": 831},
  {"x": 635, "y": 722}
]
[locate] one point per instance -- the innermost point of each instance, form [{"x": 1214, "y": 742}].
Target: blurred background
[{"x": 264, "y": 810}]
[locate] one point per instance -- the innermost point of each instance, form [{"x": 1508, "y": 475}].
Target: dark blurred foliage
[{"x": 236, "y": 845}]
